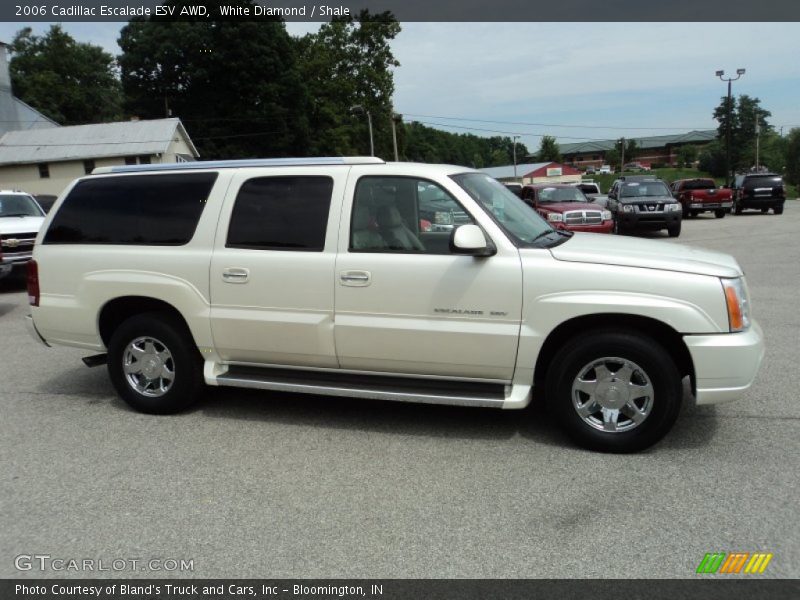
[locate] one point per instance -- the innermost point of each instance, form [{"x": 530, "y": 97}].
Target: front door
[{"x": 404, "y": 302}]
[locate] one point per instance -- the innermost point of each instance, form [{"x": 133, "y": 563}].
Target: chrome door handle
[
  {"x": 235, "y": 275},
  {"x": 355, "y": 278}
]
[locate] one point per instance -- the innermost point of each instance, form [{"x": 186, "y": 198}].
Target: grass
[{"x": 671, "y": 174}]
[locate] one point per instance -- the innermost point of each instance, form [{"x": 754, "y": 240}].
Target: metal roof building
[
  {"x": 534, "y": 173},
  {"x": 45, "y": 161}
]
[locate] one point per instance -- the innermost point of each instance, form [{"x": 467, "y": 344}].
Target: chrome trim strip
[{"x": 234, "y": 363}]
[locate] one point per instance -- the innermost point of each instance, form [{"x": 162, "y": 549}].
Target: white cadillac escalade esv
[{"x": 391, "y": 281}]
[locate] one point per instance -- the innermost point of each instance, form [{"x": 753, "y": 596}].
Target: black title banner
[
  {"x": 406, "y": 10},
  {"x": 397, "y": 589}
]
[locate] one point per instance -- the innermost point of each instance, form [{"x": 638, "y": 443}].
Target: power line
[
  {"x": 510, "y": 132},
  {"x": 549, "y": 124}
]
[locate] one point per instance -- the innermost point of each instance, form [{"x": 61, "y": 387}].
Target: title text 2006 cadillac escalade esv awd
[{"x": 317, "y": 275}]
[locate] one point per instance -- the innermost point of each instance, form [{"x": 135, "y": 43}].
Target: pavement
[{"x": 285, "y": 486}]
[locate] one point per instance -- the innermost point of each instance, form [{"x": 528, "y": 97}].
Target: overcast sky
[{"x": 575, "y": 81}]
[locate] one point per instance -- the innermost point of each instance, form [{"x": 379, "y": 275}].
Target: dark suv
[
  {"x": 644, "y": 203},
  {"x": 760, "y": 191}
]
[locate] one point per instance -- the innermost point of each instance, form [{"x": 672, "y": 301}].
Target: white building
[{"x": 45, "y": 161}]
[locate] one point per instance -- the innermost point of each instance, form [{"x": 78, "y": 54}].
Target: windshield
[
  {"x": 18, "y": 205},
  {"x": 646, "y": 189},
  {"x": 515, "y": 217},
  {"x": 565, "y": 194},
  {"x": 700, "y": 184}
]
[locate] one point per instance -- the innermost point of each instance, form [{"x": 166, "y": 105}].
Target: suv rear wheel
[
  {"x": 778, "y": 209},
  {"x": 614, "y": 391},
  {"x": 154, "y": 365}
]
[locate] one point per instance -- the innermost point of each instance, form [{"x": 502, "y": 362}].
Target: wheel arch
[
  {"x": 118, "y": 310},
  {"x": 669, "y": 338}
]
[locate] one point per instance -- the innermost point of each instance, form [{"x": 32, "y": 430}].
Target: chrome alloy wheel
[
  {"x": 148, "y": 366},
  {"x": 612, "y": 394}
]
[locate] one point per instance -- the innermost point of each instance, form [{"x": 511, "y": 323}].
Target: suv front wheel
[
  {"x": 614, "y": 391},
  {"x": 154, "y": 364}
]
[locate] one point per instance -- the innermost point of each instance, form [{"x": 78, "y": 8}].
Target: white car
[
  {"x": 21, "y": 217},
  {"x": 318, "y": 276},
  {"x": 605, "y": 170}
]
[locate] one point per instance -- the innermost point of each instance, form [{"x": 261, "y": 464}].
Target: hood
[
  {"x": 565, "y": 206},
  {"x": 647, "y": 254},
  {"x": 13, "y": 225}
]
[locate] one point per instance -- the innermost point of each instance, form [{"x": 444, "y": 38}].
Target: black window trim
[{"x": 279, "y": 249}]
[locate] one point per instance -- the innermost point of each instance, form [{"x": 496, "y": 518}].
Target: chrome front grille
[
  {"x": 17, "y": 246},
  {"x": 583, "y": 217}
]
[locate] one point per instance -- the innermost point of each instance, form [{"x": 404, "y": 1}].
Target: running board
[{"x": 373, "y": 387}]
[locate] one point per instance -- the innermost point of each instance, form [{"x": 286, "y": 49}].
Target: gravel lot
[{"x": 259, "y": 485}]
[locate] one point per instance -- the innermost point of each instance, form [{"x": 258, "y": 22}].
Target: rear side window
[
  {"x": 144, "y": 210},
  {"x": 281, "y": 213}
]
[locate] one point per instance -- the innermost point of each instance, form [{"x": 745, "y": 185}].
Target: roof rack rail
[{"x": 234, "y": 164}]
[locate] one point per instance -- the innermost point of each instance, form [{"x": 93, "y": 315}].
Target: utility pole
[
  {"x": 758, "y": 136},
  {"x": 395, "y": 118},
  {"x": 514, "y": 151},
  {"x": 739, "y": 73},
  {"x": 622, "y": 155},
  {"x": 360, "y": 109}
]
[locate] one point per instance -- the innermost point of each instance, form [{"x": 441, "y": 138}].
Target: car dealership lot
[{"x": 254, "y": 484}]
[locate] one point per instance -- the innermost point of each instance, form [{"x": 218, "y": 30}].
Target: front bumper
[
  {"x": 5, "y": 269},
  {"x": 654, "y": 220},
  {"x": 725, "y": 364},
  {"x": 604, "y": 227}
]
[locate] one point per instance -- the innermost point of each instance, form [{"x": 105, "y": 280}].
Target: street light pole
[
  {"x": 516, "y": 137},
  {"x": 360, "y": 109},
  {"x": 720, "y": 74}
]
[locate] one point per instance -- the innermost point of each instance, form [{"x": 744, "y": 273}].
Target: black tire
[
  {"x": 674, "y": 230},
  {"x": 778, "y": 210},
  {"x": 693, "y": 214},
  {"x": 737, "y": 207},
  {"x": 764, "y": 210},
  {"x": 185, "y": 362},
  {"x": 658, "y": 367},
  {"x": 720, "y": 214}
]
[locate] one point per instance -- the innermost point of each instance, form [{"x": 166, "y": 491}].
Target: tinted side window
[
  {"x": 281, "y": 213},
  {"x": 151, "y": 210}
]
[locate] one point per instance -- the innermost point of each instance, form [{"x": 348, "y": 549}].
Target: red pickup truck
[
  {"x": 702, "y": 195},
  {"x": 566, "y": 207}
]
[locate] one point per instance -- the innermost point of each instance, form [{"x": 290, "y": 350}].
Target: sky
[{"x": 574, "y": 81}]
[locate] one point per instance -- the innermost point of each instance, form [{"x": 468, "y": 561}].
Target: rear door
[
  {"x": 272, "y": 270},
  {"x": 404, "y": 302}
]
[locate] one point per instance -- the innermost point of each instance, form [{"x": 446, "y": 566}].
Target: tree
[
  {"x": 687, "y": 155},
  {"x": 71, "y": 82},
  {"x": 426, "y": 144},
  {"x": 744, "y": 115},
  {"x": 612, "y": 158},
  {"x": 712, "y": 159},
  {"x": 235, "y": 84},
  {"x": 347, "y": 63},
  {"x": 548, "y": 150},
  {"x": 793, "y": 156},
  {"x": 628, "y": 153}
]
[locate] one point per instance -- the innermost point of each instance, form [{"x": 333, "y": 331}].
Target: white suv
[
  {"x": 20, "y": 220},
  {"x": 341, "y": 276}
]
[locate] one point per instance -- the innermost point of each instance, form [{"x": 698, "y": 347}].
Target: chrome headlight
[
  {"x": 737, "y": 302},
  {"x": 606, "y": 215},
  {"x": 627, "y": 208},
  {"x": 672, "y": 207},
  {"x": 555, "y": 217}
]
